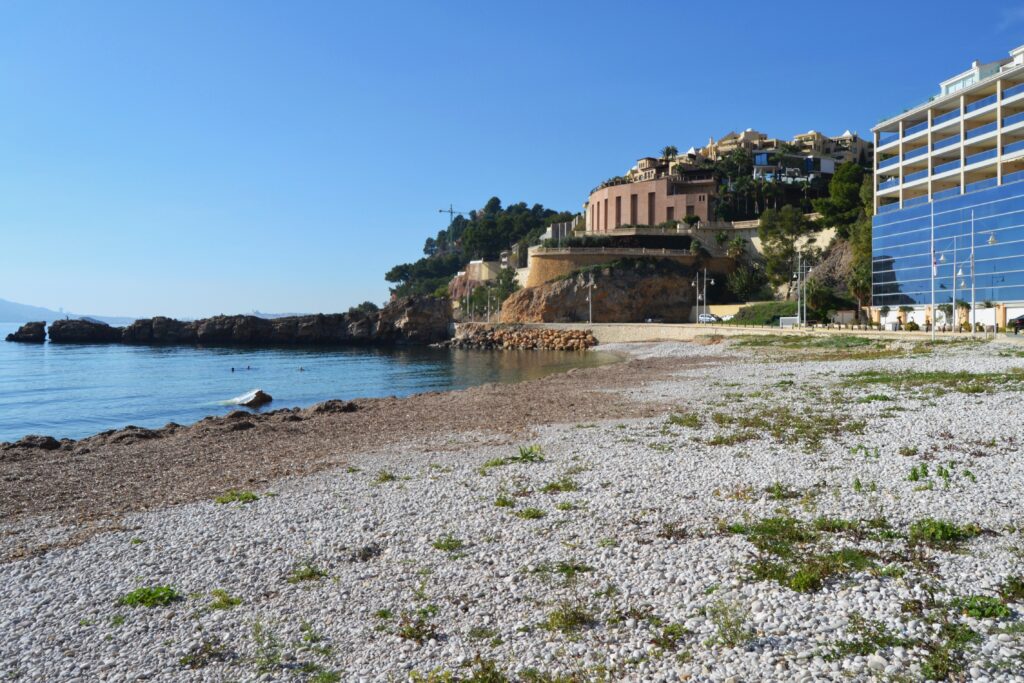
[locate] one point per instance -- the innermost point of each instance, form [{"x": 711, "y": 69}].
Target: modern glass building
[{"x": 949, "y": 184}]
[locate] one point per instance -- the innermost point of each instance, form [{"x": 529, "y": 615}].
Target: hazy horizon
[{"x": 189, "y": 158}]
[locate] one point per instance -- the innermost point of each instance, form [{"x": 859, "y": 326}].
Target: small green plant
[
  {"x": 1012, "y": 589},
  {"x": 608, "y": 542},
  {"x": 237, "y": 496},
  {"x": 325, "y": 677},
  {"x": 117, "y": 620},
  {"x": 778, "y": 491},
  {"x": 908, "y": 451},
  {"x": 504, "y": 501},
  {"x": 568, "y": 618},
  {"x": 530, "y": 513},
  {"x": 223, "y": 600},
  {"x": 267, "y": 657},
  {"x": 208, "y": 651},
  {"x": 688, "y": 420},
  {"x": 384, "y": 614},
  {"x": 416, "y": 626},
  {"x": 384, "y": 477},
  {"x": 150, "y": 596},
  {"x": 857, "y": 486},
  {"x": 532, "y": 453},
  {"x": 566, "y": 506},
  {"x": 448, "y": 543},
  {"x": 730, "y": 621},
  {"x": 669, "y": 637},
  {"x": 981, "y": 607},
  {"x": 136, "y": 541},
  {"x": 306, "y": 571},
  {"x": 939, "y": 533},
  {"x": 560, "y": 485}
]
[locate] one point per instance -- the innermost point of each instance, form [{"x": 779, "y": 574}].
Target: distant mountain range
[{"x": 11, "y": 312}]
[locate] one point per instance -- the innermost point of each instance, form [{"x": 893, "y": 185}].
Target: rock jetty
[
  {"x": 409, "y": 320},
  {"x": 29, "y": 332},
  {"x": 516, "y": 338}
]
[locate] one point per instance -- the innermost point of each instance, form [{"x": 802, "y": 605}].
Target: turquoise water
[{"x": 70, "y": 390}]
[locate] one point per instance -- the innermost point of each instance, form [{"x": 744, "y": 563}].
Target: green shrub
[{"x": 150, "y": 596}]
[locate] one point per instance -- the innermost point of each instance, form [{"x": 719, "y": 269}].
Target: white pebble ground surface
[{"x": 490, "y": 599}]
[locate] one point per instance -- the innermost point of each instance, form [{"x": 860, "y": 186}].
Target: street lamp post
[{"x": 702, "y": 292}]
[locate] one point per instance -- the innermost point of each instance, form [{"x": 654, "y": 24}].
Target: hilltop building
[{"x": 951, "y": 168}]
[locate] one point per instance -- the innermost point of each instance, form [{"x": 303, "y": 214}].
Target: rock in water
[
  {"x": 29, "y": 332},
  {"x": 255, "y": 399},
  {"x": 84, "y": 332}
]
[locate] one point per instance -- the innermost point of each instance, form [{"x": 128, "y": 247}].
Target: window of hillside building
[
  {"x": 650, "y": 209},
  {"x": 632, "y": 209},
  {"x": 670, "y": 213},
  {"x": 618, "y": 211}
]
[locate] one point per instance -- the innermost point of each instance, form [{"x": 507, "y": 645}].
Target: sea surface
[{"x": 75, "y": 390}]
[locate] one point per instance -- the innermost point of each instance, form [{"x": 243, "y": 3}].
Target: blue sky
[{"x": 192, "y": 158}]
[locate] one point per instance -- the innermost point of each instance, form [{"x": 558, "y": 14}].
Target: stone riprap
[{"x": 630, "y": 550}]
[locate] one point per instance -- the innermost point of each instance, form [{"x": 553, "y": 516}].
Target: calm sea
[{"x": 68, "y": 390}]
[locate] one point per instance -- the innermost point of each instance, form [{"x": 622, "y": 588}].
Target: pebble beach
[{"x": 736, "y": 510}]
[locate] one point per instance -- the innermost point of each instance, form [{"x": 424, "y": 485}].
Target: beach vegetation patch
[
  {"x": 306, "y": 571},
  {"x": 730, "y": 620},
  {"x": 207, "y": 652},
  {"x": 568, "y": 617},
  {"x": 384, "y": 477},
  {"x": 563, "y": 484},
  {"x": 236, "y": 496},
  {"x": 448, "y": 543},
  {"x": 150, "y": 596},
  {"x": 530, "y": 513},
  {"x": 942, "y": 534},
  {"x": 221, "y": 599}
]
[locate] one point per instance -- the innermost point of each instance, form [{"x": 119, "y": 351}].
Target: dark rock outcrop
[
  {"x": 255, "y": 399},
  {"x": 83, "y": 332},
  {"x": 410, "y": 320},
  {"x": 45, "y": 443},
  {"x": 29, "y": 332}
]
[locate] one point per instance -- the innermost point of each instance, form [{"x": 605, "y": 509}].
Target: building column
[
  {"x": 963, "y": 153},
  {"x": 874, "y": 165},
  {"x": 929, "y": 160},
  {"x": 899, "y": 163},
  {"x": 999, "y": 132}
]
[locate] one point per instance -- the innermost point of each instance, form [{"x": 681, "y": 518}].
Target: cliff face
[
  {"x": 411, "y": 320},
  {"x": 620, "y": 295}
]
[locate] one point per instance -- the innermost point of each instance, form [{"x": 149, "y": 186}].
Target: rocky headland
[
  {"x": 624, "y": 291},
  {"x": 410, "y": 320}
]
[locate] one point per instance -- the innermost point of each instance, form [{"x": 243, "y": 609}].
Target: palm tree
[{"x": 669, "y": 152}]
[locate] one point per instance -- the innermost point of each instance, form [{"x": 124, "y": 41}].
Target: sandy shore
[{"x": 698, "y": 512}]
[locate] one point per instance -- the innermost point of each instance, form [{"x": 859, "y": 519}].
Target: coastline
[
  {"x": 93, "y": 480},
  {"x": 620, "y": 546}
]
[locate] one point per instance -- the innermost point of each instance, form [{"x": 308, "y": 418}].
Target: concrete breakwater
[
  {"x": 410, "y": 320},
  {"x": 515, "y": 337}
]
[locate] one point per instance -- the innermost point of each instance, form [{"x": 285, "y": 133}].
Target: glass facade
[{"x": 901, "y": 249}]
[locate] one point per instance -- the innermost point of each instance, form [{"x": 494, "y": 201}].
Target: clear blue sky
[{"x": 196, "y": 157}]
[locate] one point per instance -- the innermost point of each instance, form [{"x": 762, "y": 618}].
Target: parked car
[
  {"x": 1016, "y": 323},
  {"x": 705, "y": 318}
]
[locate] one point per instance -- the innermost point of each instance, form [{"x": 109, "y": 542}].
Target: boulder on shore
[
  {"x": 255, "y": 399},
  {"x": 29, "y": 332}
]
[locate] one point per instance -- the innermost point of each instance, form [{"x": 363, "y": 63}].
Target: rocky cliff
[
  {"x": 623, "y": 292},
  {"x": 411, "y": 320},
  {"x": 29, "y": 332}
]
